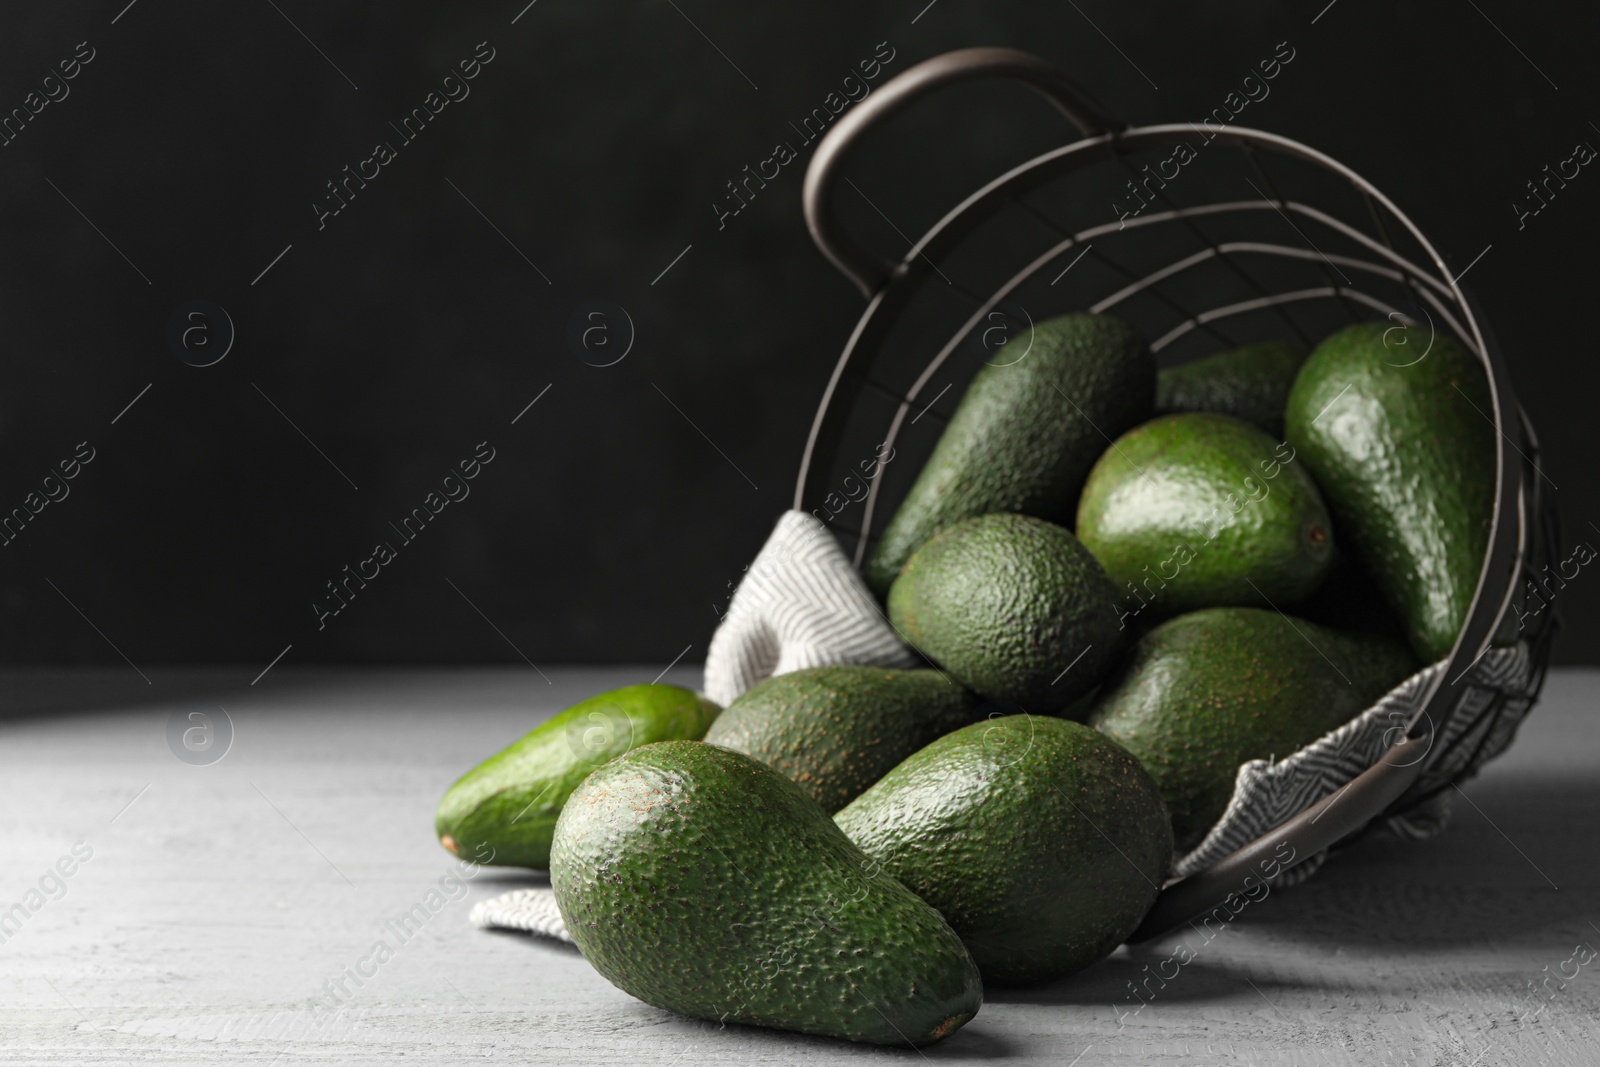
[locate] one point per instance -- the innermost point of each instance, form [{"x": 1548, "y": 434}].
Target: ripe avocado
[
  {"x": 1025, "y": 434},
  {"x": 1015, "y": 608},
  {"x": 1398, "y": 435},
  {"x": 1041, "y": 841},
  {"x": 835, "y": 730},
  {"x": 1198, "y": 510},
  {"x": 510, "y": 801},
  {"x": 1205, "y": 692},
  {"x": 704, "y": 882},
  {"x": 1250, "y": 383}
]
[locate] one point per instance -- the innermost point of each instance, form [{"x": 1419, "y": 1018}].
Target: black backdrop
[{"x": 579, "y": 169}]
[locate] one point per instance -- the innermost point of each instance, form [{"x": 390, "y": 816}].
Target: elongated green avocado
[
  {"x": 1250, "y": 383},
  {"x": 1025, "y": 434},
  {"x": 1014, "y": 608},
  {"x": 1203, "y": 693},
  {"x": 1040, "y": 840},
  {"x": 1395, "y": 425},
  {"x": 1199, "y": 510},
  {"x": 508, "y": 804},
  {"x": 704, "y": 882},
  {"x": 833, "y": 731}
]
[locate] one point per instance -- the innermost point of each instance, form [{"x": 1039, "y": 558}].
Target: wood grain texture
[{"x": 225, "y": 897}]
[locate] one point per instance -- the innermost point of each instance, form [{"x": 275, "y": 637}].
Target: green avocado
[
  {"x": 1041, "y": 841},
  {"x": 1395, "y": 425},
  {"x": 1025, "y": 433},
  {"x": 1203, "y": 693},
  {"x": 507, "y": 805},
  {"x": 1197, "y": 510},
  {"x": 702, "y": 881},
  {"x": 1014, "y": 608},
  {"x": 1250, "y": 383},
  {"x": 835, "y": 730}
]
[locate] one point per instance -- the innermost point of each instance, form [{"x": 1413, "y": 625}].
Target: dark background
[{"x": 408, "y": 330}]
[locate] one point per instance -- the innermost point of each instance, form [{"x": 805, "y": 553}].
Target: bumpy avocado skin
[
  {"x": 1025, "y": 434},
  {"x": 703, "y": 881},
  {"x": 1198, "y": 510},
  {"x": 1250, "y": 383},
  {"x": 1203, "y": 693},
  {"x": 1040, "y": 840},
  {"x": 1402, "y": 446},
  {"x": 507, "y": 805},
  {"x": 833, "y": 731},
  {"x": 1014, "y": 608}
]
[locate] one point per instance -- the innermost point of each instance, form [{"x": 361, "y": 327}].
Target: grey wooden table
[{"x": 210, "y": 908}]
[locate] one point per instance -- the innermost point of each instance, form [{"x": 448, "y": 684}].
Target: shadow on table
[
  {"x": 544, "y": 944},
  {"x": 505, "y": 879},
  {"x": 1134, "y": 976},
  {"x": 759, "y": 1044},
  {"x": 1515, "y": 868}
]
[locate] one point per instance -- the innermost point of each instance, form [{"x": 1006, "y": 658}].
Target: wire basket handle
[{"x": 869, "y": 272}]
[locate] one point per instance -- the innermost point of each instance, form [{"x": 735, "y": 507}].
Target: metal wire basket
[{"x": 1242, "y": 235}]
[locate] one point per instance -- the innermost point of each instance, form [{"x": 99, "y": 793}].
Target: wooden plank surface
[{"x": 219, "y": 904}]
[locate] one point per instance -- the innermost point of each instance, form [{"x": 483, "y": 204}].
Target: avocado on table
[
  {"x": 1199, "y": 510},
  {"x": 1025, "y": 434},
  {"x": 1250, "y": 383},
  {"x": 1395, "y": 425},
  {"x": 833, "y": 731},
  {"x": 703, "y": 881},
  {"x": 1014, "y": 608},
  {"x": 1203, "y": 693},
  {"x": 507, "y": 805},
  {"x": 1041, "y": 841}
]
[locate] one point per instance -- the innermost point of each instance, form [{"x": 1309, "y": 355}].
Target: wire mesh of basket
[{"x": 1206, "y": 236}]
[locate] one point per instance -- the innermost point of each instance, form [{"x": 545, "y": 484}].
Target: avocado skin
[
  {"x": 510, "y": 801},
  {"x": 1005, "y": 604},
  {"x": 1250, "y": 383},
  {"x": 1041, "y": 841},
  {"x": 1200, "y": 510},
  {"x": 1025, "y": 434},
  {"x": 833, "y": 731},
  {"x": 703, "y": 881},
  {"x": 1203, "y": 693},
  {"x": 1406, "y": 460}
]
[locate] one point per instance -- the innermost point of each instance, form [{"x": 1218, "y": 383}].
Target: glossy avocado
[
  {"x": 1199, "y": 510},
  {"x": 1250, "y": 383},
  {"x": 1395, "y": 425},
  {"x": 1015, "y": 608},
  {"x": 1041, "y": 841},
  {"x": 510, "y": 801},
  {"x": 703, "y": 881},
  {"x": 1203, "y": 693},
  {"x": 1025, "y": 433},
  {"x": 833, "y": 731}
]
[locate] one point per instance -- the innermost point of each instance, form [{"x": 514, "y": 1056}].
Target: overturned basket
[{"x": 1208, "y": 233}]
